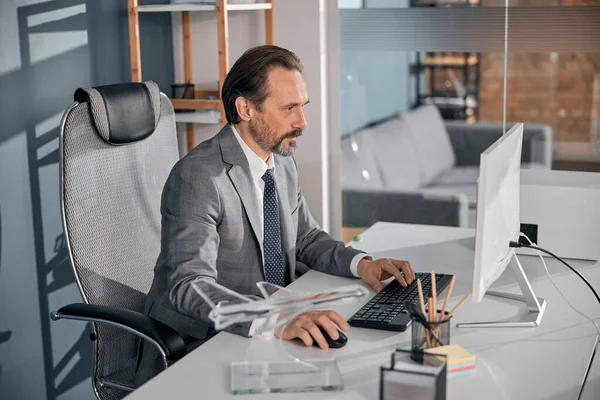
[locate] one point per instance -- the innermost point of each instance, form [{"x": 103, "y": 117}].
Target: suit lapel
[{"x": 240, "y": 176}]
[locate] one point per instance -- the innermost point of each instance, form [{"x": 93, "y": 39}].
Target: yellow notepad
[{"x": 454, "y": 353}]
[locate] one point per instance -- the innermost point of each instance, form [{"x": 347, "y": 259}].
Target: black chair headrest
[{"x": 125, "y": 112}]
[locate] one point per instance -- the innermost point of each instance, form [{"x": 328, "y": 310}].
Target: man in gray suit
[{"x": 233, "y": 212}]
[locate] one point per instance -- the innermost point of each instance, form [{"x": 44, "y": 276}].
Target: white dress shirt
[{"x": 257, "y": 169}]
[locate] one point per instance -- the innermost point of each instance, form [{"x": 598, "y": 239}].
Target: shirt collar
[{"x": 257, "y": 166}]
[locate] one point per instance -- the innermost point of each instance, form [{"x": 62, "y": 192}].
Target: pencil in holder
[{"x": 431, "y": 335}]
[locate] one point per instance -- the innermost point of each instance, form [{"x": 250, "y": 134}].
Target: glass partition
[
  {"x": 427, "y": 85},
  {"x": 554, "y": 75}
]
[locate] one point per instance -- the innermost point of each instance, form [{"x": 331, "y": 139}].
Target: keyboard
[{"x": 388, "y": 310}]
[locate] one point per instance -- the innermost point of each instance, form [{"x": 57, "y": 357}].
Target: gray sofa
[{"x": 420, "y": 169}]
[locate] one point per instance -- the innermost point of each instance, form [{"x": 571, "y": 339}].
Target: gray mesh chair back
[{"x": 111, "y": 185}]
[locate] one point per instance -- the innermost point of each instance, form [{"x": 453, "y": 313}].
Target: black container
[
  {"x": 438, "y": 336},
  {"x": 183, "y": 91}
]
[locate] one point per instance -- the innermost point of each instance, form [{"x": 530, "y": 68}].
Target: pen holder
[{"x": 424, "y": 338}]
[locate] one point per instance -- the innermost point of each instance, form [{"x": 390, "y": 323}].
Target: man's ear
[{"x": 242, "y": 106}]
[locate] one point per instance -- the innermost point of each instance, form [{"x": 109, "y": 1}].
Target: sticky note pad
[
  {"x": 455, "y": 354},
  {"x": 459, "y": 361}
]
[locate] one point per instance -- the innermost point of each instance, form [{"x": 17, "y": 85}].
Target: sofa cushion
[
  {"x": 467, "y": 174},
  {"x": 470, "y": 190},
  {"x": 395, "y": 155},
  {"x": 432, "y": 144},
  {"x": 358, "y": 166},
  {"x": 464, "y": 180}
]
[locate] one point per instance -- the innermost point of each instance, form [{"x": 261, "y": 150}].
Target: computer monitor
[
  {"x": 497, "y": 209},
  {"x": 498, "y": 223}
]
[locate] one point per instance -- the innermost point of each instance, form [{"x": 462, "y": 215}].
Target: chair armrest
[
  {"x": 363, "y": 208},
  {"x": 167, "y": 340},
  {"x": 470, "y": 140}
]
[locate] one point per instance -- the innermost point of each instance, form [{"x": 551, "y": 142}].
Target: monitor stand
[{"x": 536, "y": 305}]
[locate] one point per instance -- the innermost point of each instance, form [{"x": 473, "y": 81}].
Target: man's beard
[{"x": 269, "y": 141}]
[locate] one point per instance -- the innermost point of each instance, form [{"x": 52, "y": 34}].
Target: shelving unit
[
  {"x": 203, "y": 108},
  {"x": 203, "y": 7},
  {"x": 199, "y": 117},
  {"x": 456, "y": 93}
]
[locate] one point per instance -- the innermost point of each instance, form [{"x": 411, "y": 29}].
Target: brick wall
[{"x": 555, "y": 88}]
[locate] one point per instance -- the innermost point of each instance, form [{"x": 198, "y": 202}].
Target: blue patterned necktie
[{"x": 272, "y": 248}]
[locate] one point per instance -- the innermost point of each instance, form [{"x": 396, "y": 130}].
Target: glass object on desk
[
  {"x": 412, "y": 376},
  {"x": 275, "y": 310}
]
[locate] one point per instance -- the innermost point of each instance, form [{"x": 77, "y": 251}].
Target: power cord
[{"x": 533, "y": 246}]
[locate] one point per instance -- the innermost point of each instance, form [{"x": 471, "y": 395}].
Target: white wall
[
  {"x": 47, "y": 50},
  {"x": 297, "y": 28},
  {"x": 25, "y": 372},
  {"x": 302, "y": 27}
]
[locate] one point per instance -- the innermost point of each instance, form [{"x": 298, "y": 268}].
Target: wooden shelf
[
  {"x": 449, "y": 102},
  {"x": 204, "y": 7},
  {"x": 196, "y": 104},
  {"x": 198, "y": 117},
  {"x": 450, "y": 61},
  {"x": 442, "y": 3},
  {"x": 200, "y": 93}
]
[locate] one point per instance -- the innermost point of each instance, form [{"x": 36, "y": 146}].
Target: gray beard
[{"x": 262, "y": 139}]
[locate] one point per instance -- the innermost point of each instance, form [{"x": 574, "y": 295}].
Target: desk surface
[{"x": 546, "y": 362}]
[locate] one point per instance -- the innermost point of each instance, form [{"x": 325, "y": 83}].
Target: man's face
[{"x": 280, "y": 119}]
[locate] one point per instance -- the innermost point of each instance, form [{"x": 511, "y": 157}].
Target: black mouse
[{"x": 333, "y": 344}]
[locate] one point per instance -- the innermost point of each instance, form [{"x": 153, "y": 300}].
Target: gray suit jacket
[{"x": 210, "y": 222}]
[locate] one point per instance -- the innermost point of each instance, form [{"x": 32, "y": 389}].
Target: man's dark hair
[{"x": 248, "y": 77}]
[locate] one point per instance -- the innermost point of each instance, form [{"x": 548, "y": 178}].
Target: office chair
[{"x": 118, "y": 144}]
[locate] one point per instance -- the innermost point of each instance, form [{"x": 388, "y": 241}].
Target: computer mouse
[{"x": 333, "y": 344}]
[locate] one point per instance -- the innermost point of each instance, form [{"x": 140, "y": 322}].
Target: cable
[
  {"x": 530, "y": 246},
  {"x": 597, "y": 342},
  {"x": 556, "y": 286}
]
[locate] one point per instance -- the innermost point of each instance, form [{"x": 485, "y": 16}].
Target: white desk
[{"x": 547, "y": 362}]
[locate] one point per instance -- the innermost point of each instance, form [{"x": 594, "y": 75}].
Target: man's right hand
[{"x": 306, "y": 327}]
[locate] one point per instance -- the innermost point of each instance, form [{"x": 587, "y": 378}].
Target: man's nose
[{"x": 300, "y": 121}]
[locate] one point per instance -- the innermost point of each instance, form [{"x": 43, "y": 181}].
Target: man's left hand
[{"x": 375, "y": 271}]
